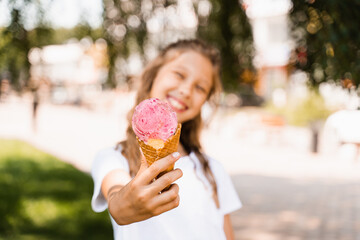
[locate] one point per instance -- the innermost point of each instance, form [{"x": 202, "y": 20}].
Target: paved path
[
  {"x": 287, "y": 192},
  {"x": 277, "y": 208}
]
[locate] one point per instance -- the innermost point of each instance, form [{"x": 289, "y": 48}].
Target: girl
[{"x": 197, "y": 206}]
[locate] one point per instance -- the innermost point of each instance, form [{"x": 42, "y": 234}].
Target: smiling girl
[{"x": 201, "y": 196}]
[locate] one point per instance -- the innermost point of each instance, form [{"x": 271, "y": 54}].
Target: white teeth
[{"x": 176, "y": 104}]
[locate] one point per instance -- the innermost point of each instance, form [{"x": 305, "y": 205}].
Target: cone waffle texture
[{"x": 151, "y": 154}]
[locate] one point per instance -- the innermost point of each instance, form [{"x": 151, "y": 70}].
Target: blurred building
[
  {"x": 74, "y": 70},
  {"x": 269, "y": 20}
]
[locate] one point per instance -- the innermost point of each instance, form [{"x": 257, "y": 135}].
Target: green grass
[
  {"x": 42, "y": 197},
  {"x": 303, "y": 113}
]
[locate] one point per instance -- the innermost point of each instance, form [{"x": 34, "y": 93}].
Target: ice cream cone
[{"x": 154, "y": 152}]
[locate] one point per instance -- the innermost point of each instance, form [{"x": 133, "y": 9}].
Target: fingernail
[{"x": 176, "y": 154}]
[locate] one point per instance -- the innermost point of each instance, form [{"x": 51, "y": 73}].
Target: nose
[{"x": 185, "y": 89}]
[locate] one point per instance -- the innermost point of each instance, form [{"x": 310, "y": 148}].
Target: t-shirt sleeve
[
  {"x": 228, "y": 197},
  {"x": 105, "y": 161}
]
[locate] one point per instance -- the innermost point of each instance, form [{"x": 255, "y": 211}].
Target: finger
[
  {"x": 166, "y": 180},
  {"x": 168, "y": 205},
  {"x": 168, "y": 195},
  {"x": 158, "y": 166},
  {"x": 165, "y": 197}
]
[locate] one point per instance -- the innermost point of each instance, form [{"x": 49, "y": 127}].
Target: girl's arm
[
  {"x": 229, "y": 233},
  {"x": 132, "y": 200}
]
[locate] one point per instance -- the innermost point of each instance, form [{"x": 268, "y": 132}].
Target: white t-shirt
[{"x": 196, "y": 217}]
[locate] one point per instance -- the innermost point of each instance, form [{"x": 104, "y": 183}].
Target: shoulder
[
  {"x": 216, "y": 167},
  {"x": 105, "y": 161},
  {"x": 213, "y": 163},
  {"x": 109, "y": 158},
  {"x": 108, "y": 152}
]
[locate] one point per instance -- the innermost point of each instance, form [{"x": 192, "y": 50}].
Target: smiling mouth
[{"x": 176, "y": 105}]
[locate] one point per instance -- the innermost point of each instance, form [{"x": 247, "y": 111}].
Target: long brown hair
[{"x": 190, "y": 132}]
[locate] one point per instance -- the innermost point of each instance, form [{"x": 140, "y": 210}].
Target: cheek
[
  {"x": 161, "y": 86},
  {"x": 154, "y": 92},
  {"x": 200, "y": 100},
  {"x": 156, "y": 89}
]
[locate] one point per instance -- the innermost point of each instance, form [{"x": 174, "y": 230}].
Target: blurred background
[{"x": 287, "y": 129}]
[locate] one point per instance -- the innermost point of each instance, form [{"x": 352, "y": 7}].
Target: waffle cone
[{"x": 152, "y": 154}]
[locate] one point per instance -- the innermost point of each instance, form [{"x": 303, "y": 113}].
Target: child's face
[{"x": 184, "y": 83}]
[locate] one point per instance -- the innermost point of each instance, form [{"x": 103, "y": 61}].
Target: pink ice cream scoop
[{"x": 154, "y": 119}]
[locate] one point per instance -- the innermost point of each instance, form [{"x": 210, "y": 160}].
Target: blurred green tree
[
  {"x": 126, "y": 31},
  {"x": 327, "y": 40},
  {"x": 222, "y": 23},
  {"x": 123, "y": 35},
  {"x": 81, "y": 30},
  {"x": 14, "y": 46},
  {"x": 228, "y": 28},
  {"x": 17, "y": 39}
]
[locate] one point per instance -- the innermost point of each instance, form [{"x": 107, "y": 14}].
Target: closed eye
[
  {"x": 201, "y": 88},
  {"x": 179, "y": 75}
]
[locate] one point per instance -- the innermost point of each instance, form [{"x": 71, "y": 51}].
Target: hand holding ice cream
[{"x": 158, "y": 132}]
